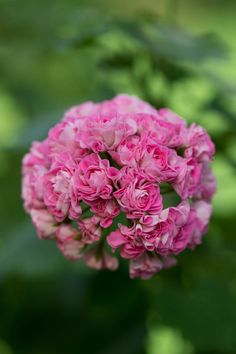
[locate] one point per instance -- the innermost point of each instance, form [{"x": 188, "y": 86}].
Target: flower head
[{"x": 121, "y": 176}]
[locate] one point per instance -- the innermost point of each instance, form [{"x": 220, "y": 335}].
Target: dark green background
[{"x": 54, "y": 54}]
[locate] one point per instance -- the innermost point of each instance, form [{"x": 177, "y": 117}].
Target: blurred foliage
[
  {"x": 56, "y": 54},
  {"x": 167, "y": 340}
]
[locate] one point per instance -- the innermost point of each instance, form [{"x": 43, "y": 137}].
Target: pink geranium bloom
[
  {"x": 187, "y": 184},
  {"x": 62, "y": 139},
  {"x": 164, "y": 128},
  {"x": 198, "y": 144},
  {"x": 161, "y": 162},
  {"x": 137, "y": 195},
  {"x": 106, "y": 210},
  {"x": 91, "y": 180},
  {"x": 147, "y": 265},
  {"x": 102, "y": 132},
  {"x": 76, "y": 113},
  {"x": 69, "y": 242},
  {"x": 103, "y": 260},
  {"x": 207, "y": 185},
  {"x": 35, "y": 164},
  {"x": 128, "y": 240},
  {"x": 90, "y": 229},
  {"x": 198, "y": 221},
  {"x": 165, "y": 236},
  {"x": 58, "y": 188},
  {"x": 44, "y": 222},
  {"x": 127, "y": 104},
  {"x": 124, "y": 175}
]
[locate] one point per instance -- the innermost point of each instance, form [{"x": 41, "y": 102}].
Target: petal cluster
[{"x": 121, "y": 160}]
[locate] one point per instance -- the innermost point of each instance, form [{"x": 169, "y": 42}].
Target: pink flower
[
  {"x": 125, "y": 153},
  {"x": 187, "y": 184},
  {"x": 168, "y": 262},
  {"x": 127, "y": 104},
  {"x": 161, "y": 162},
  {"x": 90, "y": 229},
  {"x": 32, "y": 188},
  {"x": 148, "y": 222},
  {"x": 137, "y": 195},
  {"x": 44, "y": 222},
  {"x": 145, "y": 266},
  {"x": 38, "y": 156},
  {"x": 106, "y": 210},
  {"x": 166, "y": 237},
  {"x": 128, "y": 239},
  {"x": 81, "y": 111},
  {"x": 207, "y": 186},
  {"x": 58, "y": 188},
  {"x": 35, "y": 165},
  {"x": 198, "y": 222},
  {"x": 198, "y": 144},
  {"x": 121, "y": 103},
  {"x": 62, "y": 139},
  {"x": 171, "y": 117},
  {"x": 164, "y": 128},
  {"x": 100, "y": 260},
  {"x": 148, "y": 264},
  {"x": 102, "y": 132},
  {"x": 115, "y": 160},
  {"x": 91, "y": 181},
  {"x": 69, "y": 242}
]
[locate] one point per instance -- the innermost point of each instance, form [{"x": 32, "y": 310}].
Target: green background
[{"x": 53, "y": 54}]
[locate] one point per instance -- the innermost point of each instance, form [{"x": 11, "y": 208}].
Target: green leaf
[
  {"x": 23, "y": 253},
  {"x": 172, "y": 43}
]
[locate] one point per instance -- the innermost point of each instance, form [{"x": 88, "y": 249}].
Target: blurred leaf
[
  {"x": 226, "y": 193},
  {"x": 160, "y": 40},
  {"x": 206, "y": 320},
  {"x": 85, "y": 37},
  {"x": 173, "y": 43},
  {"x": 12, "y": 119},
  {"x": 166, "y": 340},
  {"x": 37, "y": 129},
  {"x": 196, "y": 91},
  {"x": 24, "y": 254},
  {"x": 4, "y": 348}
]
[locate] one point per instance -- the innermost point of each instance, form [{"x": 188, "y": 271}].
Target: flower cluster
[{"x": 121, "y": 175}]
